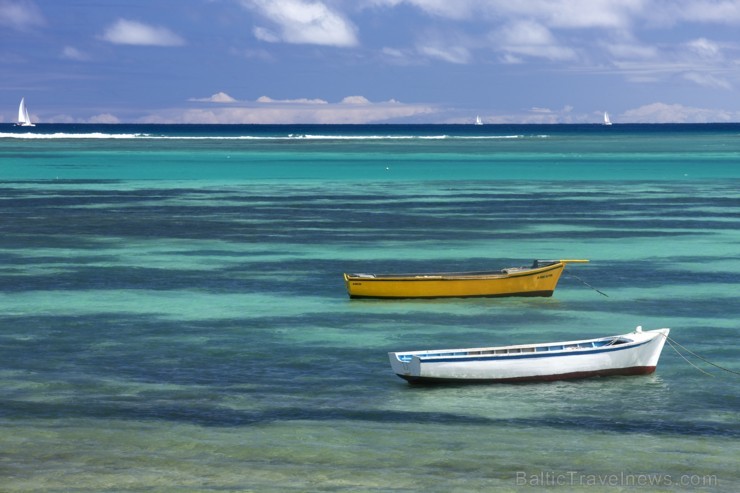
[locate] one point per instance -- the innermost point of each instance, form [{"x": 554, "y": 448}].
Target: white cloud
[
  {"x": 615, "y": 18},
  {"x": 355, "y": 100},
  {"x": 63, "y": 118},
  {"x": 598, "y": 36},
  {"x": 704, "y": 48},
  {"x": 72, "y": 53},
  {"x": 352, "y": 110},
  {"x": 701, "y": 61},
  {"x": 457, "y": 9},
  {"x": 710, "y": 11},
  {"x": 707, "y": 80},
  {"x": 128, "y": 32},
  {"x": 402, "y": 56},
  {"x": 452, "y": 54},
  {"x": 632, "y": 51},
  {"x": 527, "y": 33},
  {"x": 222, "y": 97},
  {"x": 20, "y": 14},
  {"x": 269, "y": 100},
  {"x": 219, "y": 97},
  {"x": 264, "y": 34},
  {"x": 511, "y": 59},
  {"x": 104, "y": 118},
  {"x": 535, "y": 115},
  {"x": 572, "y": 14},
  {"x": 651, "y": 113},
  {"x": 393, "y": 52},
  {"x": 531, "y": 39},
  {"x": 554, "y": 13},
  {"x": 303, "y": 22},
  {"x": 675, "y": 113}
]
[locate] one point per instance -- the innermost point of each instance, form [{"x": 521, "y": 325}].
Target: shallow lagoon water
[{"x": 172, "y": 313}]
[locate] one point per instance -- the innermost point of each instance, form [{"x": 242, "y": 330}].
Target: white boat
[
  {"x": 635, "y": 353},
  {"x": 607, "y": 121},
  {"x": 478, "y": 121},
  {"x": 24, "y": 120}
]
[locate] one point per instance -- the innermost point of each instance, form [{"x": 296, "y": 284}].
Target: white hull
[{"x": 628, "y": 354}]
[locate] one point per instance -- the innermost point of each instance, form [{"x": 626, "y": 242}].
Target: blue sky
[{"x": 370, "y": 61}]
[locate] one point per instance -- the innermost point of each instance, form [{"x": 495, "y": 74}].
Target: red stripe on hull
[{"x": 634, "y": 370}]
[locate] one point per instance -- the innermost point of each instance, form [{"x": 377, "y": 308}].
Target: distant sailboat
[
  {"x": 478, "y": 121},
  {"x": 607, "y": 121},
  {"x": 23, "y": 119}
]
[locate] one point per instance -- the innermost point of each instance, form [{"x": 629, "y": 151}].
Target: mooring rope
[
  {"x": 671, "y": 341},
  {"x": 686, "y": 359},
  {"x": 587, "y": 284}
]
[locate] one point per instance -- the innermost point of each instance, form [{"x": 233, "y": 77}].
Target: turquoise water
[{"x": 173, "y": 317}]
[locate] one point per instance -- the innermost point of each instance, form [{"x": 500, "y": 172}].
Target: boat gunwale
[
  {"x": 435, "y": 356},
  {"x": 454, "y": 276},
  {"x": 535, "y": 354}
]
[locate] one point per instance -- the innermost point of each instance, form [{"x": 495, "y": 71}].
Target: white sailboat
[
  {"x": 607, "y": 121},
  {"x": 478, "y": 121},
  {"x": 24, "y": 120}
]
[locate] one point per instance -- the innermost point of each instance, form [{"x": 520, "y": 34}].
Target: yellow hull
[{"x": 535, "y": 281}]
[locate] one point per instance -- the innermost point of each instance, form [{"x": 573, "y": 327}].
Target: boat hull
[
  {"x": 546, "y": 362},
  {"x": 530, "y": 282},
  {"x": 635, "y": 370}
]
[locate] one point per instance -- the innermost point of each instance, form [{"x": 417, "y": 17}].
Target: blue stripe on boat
[{"x": 427, "y": 359}]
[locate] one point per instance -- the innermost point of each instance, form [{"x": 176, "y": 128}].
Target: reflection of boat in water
[
  {"x": 539, "y": 279},
  {"x": 24, "y": 120},
  {"x": 607, "y": 120},
  {"x": 636, "y": 353}
]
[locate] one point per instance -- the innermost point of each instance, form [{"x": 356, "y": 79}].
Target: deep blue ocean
[{"x": 173, "y": 315}]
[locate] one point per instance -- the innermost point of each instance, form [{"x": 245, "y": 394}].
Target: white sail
[
  {"x": 607, "y": 121},
  {"x": 478, "y": 121},
  {"x": 24, "y": 119}
]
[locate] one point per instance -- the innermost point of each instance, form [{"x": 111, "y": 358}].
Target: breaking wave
[{"x": 100, "y": 135}]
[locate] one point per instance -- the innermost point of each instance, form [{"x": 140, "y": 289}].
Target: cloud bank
[
  {"x": 265, "y": 110},
  {"x": 358, "y": 110},
  {"x": 676, "y": 113},
  {"x": 562, "y": 32}
]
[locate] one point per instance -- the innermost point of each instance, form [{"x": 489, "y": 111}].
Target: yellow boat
[{"x": 538, "y": 280}]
